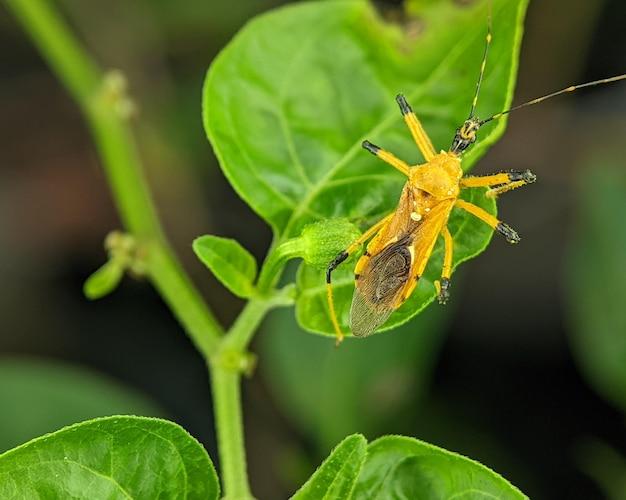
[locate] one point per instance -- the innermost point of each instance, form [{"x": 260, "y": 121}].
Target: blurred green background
[{"x": 524, "y": 371}]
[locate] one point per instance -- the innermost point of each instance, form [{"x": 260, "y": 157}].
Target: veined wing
[{"x": 390, "y": 276}]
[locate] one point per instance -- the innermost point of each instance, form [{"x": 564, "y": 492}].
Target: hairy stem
[{"x": 115, "y": 143}]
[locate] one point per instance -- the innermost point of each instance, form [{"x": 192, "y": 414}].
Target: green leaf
[
  {"x": 595, "y": 284},
  {"x": 288, "y": 102},
  {"x": 336, "y": 477},
  {"x": 113, "y": 458},
  {"x": 471, "y": 236},
  {"x": 402, "y": 467},
  {"x": 40, "y": 396},
  {"x": 230, "y": 263},
  {"x": 104, "y": 280},
  {"x": 367, "y": 387}
]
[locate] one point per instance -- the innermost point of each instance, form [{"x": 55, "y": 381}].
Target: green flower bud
[{"x": 322, "y": 241}]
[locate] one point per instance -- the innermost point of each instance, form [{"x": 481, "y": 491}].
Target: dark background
[{"x": 505, "y": 388}]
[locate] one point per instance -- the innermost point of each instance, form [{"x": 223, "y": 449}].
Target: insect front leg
[
  {"x": 415, "y": 127},
  {"x": 443, "y": 285},
  {"x": 504, "y": 229},
  {"x": 342, "y": 256},
  {"x": 387, "y": 157},
  {"x": 500, "y": 183}
]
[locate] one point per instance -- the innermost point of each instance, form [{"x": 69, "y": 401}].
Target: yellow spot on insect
[
  {"x": 427, "y": 209},
  {"x": 488, "y": 37},
  {"x": 416, "y": 217}
]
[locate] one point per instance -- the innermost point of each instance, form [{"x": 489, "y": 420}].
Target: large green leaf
[
  {"x": 401, "y": 467},
  {"x": 287, "y": 104},
  {"x": 336, "y": 477},
  {"x": 595, "y": 280},
  {"x": 289, "y": 101},
  {"x": 114, "y": 458},
  {"x": 40, "y": 396}
]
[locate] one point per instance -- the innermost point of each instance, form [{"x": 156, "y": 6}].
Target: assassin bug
[{"x": 401, "y": 243}]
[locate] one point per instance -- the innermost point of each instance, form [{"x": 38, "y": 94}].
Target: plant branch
[
  {"x": 114, "y": 140},
  {"x": 226, "y": 387},
  {"x": 122, "y": 164}
]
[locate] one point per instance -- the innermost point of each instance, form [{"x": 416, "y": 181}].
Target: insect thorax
[{"x": 439, "y": 177}]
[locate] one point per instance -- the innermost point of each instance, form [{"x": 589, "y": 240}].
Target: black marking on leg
[
  {"x": 405, "y": 108},
  {"x": 372, "y": 148},
  {"x": 417, "y": 277},
  {"x": 334, "y": 264},
  {"x": 357, "y": 277},
  {"x": 527, "y": 176},
  {"x": 508, "y": 232},
  {"x": 444, "y": 292},
  {"x": 366, "y": 254}
]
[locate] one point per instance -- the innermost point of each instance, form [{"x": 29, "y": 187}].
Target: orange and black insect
[{"x": 401, "y": 243}]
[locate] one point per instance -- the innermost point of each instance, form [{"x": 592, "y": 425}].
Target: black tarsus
[
  {"x": 526, "y": 175},
  {"x": 372, "y": 148},
  {"x": 508, "y": 232},
  {"x": 444, "y": 293},
  {"x": 405, "y": 108},
  {"x": 335, "y": 263}
]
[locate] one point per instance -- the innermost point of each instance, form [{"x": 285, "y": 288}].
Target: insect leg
[
  {"x": 417, "y": 131},
  {"x": 505, "y": 181},
  {"x": 443, "y": 286},
  {"x": 338, "y": 260},
  {"x": 503, "y": 228},
  {"x": 387, "y": 157}
]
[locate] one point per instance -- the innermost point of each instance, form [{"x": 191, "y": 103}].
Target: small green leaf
[
  {"x": 337, "y": 475},
  {"x": 595, "y": 271},
  {"x": 114, "y": 458},
  {"x": 230, "y": 263},
  {"x": 471, "y": 236},
  {"x": 402, "y": 467},
  {"x": 104, "y": 280}
]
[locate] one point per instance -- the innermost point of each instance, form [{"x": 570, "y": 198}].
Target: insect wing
[
  {"x": 379, "y": 286},
  {"x": 390, "y": 276}
]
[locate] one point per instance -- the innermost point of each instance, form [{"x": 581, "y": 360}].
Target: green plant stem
[
  {"x": 115, "y": 143},
  {"x": 226, "y": 387},
  {"x": 240, "y": 334}
]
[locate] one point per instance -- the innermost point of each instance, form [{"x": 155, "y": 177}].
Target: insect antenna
[
  {"x": 571, "y": 88},
  {"x": 482, "y": 66}
]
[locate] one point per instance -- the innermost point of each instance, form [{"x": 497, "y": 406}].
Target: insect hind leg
[
  {"x": 337, "y": 261},
  {"x": 443, "y": 285},
  {"x": 329, "y": 294}
]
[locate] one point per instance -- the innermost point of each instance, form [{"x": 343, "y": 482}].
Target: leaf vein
[{"x": 382, "y": 125}]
